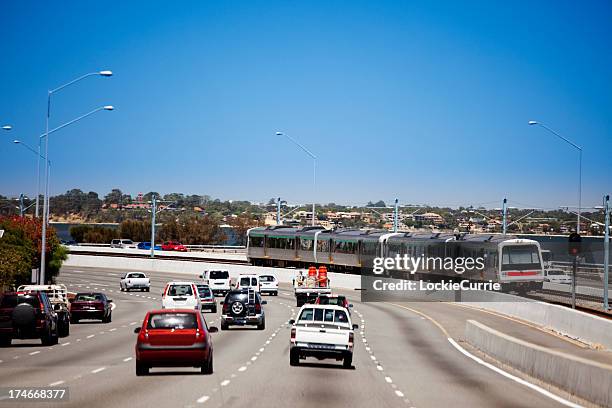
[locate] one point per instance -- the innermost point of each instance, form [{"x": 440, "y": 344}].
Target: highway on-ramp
[{"x": 403, "y": 358}]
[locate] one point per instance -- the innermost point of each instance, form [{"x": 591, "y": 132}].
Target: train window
[
  {"x": 306, "y": 244},
  {"x": 344, "y": 247},
  {"x": 394, "y": 249},
  {"x": 323, "y": 246},
  {"x": 515, "y": 257},
  {"x": 256, "y": 242}
]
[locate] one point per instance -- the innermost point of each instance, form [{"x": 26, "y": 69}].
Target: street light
[
  {"x": 532, "y": 123},
  {"x": 314, "y": 171},
  {"x": 104, "y": 73},
  {"x": 7, "y": 127}
]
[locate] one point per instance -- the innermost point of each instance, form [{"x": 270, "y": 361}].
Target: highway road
[{"x": 403, "y": 358}]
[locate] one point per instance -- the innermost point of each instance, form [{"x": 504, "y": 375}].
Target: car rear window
[
  {"x": 266, "y": 278},
  {"x": 8, "y": 301},
  {"x": 137, "y": 275},
  {"x": 180, "y": 290},
  {"x": 306, "y": 314},
  {"x": 175, "y": 321},
  {"x": 324, "y": 315},
  {"x": 204, "y": 291},
  {"x": 236, "y": 297},
  {"x": 219, "y": 274},
  {"x": 88, "y": 297}
]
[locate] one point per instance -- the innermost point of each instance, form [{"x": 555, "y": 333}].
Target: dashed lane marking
[
  {"x": 54, "y": 384},
  {"x": 97, "y": 370},
  {"x": 125, "y": 360},
  {"x": 203, "y": 399},
  {"x": 225, "y": 383},
  {"x": 34, "y": 353}
]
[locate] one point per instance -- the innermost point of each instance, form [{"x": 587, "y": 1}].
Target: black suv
[
  {"x": 243, "y": 308},
  {"x": 27, "y": 316}
]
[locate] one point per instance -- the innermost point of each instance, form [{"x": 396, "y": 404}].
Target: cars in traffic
[
  {"x": 268, "y": 284},
  {"x": 27, "y": 315},
  {"x": 58, "y": 296},
  {"x": 147, "y": 246},
  {"x": 173, "y": 246},
  {"x": 181, "y": 295},
  {"x": 208, "y": 300},
  {"x": 307, "y": 288},
  {"x": 174, "y": 338},
  {"x": 91, "y": 305},
  {"x": 331, "y": 299},
  {"x": 135, "y": 281},
  {"x": 322, "y": 332},
  {"x": 122, "y": 243},
  {"x": 557, "y": 276},
  {"x": 218, "y": 280},
  {"x": 243, "y": 307},
  {"x": 248, "y": 281}
]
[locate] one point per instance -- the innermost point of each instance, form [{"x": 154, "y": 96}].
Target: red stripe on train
[{"x": 525, "y": 273}]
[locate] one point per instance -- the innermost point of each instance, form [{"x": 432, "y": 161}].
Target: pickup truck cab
[
  {"x": 323, "y": 332},
  {"x": 218, "y": 281},
  {"x": 134, "y": 280}
]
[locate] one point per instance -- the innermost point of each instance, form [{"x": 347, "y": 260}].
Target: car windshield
[
  {"x": 180, "y": 290},
  {"x": 88, "y": 297},
  {"x": 219, "y": 274},
  {"x": 175, "y": 321},
  {"x": 204, "y": 291}
]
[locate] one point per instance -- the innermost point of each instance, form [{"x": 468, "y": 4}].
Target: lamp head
[
  {"x": 16, "y": 141},
  {"x": 7, "y": 127},
  {"x": 106, "y": 73},
  {"x": 279, "y": 133},
  {"x": 109, "y": 107},
  {"x": 533, "y": 122}
]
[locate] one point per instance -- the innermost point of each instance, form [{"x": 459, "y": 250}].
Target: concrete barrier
[
  {"x": 588, "y": 328},
  {"x": 586, "y": 379},
  {"x": 285, "y": 275}
]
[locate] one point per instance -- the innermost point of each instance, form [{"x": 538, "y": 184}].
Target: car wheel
[
  {"x": 348, "y": 361},
  {"x": 5, "y": 341},
  {"x": 141, "y": 369},
  {"x": 294, "y": 358},
  {"x": 64, "y": 328},
  {"x": 262, "y": 325},
  {"x": 208, "y": 367},
  {"x": 147, "y": 289},
  {"x": 74, "y": 320},
  {"x": 108, "y": 318},
  {"x": 224, "y": 326}
]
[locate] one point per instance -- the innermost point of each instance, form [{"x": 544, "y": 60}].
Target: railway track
[{"x": 165, "y": 257}]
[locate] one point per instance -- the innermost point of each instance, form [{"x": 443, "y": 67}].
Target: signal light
[{"x": 574, "y": 247}]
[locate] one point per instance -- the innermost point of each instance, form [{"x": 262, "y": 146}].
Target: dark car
[
  {"x": 174, "y": 338},
  {"x": 27, "y": 315},
  {"x": 243, "y": 307},
  {"x": 91, "y": 305},
  {"x": 209, "y": 302},
  {"x": 147, "y": 246}
]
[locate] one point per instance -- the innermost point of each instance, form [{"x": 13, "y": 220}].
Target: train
[{"x": 515, "y": 263}]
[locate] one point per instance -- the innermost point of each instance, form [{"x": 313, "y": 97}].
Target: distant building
[{"x": 429, "y": 218}]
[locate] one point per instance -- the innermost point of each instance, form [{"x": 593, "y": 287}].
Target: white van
[
  {"x": 181, "y": 295},
  {"x": 218, "y": 281},
  {"x": 122, "y": 243},
  {"x": 246, "y": 281}
]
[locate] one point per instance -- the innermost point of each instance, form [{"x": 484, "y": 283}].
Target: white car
[
  {"x": 248, "y": 281},
  {"x": 557, "y": 276},
  {"x": 181, "y": 295},
  {"x": 268, "y": 284},
  {"x": 122, "y": 243},
  {"x": 322, "y": 331},
  {"x": 134, "y": 280},
  {"x": 218, "y": 281}
]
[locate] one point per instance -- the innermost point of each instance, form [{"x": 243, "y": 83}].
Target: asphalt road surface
[{"x": 403, "y": 358}]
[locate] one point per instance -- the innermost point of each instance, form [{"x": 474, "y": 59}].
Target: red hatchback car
[
  {"x": 173, "y": 246},
  {"x": 174, "y": 338}
]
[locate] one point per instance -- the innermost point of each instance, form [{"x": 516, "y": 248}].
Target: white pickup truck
[
  {"x": 134, "y": 280},
  {"x": 322, "y": 331},
  {"x": 307, "y": 289}
]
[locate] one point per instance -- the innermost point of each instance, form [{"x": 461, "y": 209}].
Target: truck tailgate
[{"x": 322, "y": 334}]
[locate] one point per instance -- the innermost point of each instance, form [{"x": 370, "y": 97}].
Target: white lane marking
[
  {"x": 243, "y": 368},
  {"x": 388, "y": 379},
  {"x": 133, "y": 323},
  {"x": 379, "y": 368},
  {"x": 90, "y": 336},
  {"x": 1, "y": 361},
  {"x": 34, "y": 353},
  {"x": 225, "y": 382},
  {"x": 16, "y": 357},
  {"x": 125, "y": 360},
  {"x": 113, "y": 306},
  {"x": 261, "y": 350},
  {"x": 399, "y": 393},
  {"x": 253, "y": 358},
  {"x": 373, "y": 357},
  {"x": 65, "y": 344},
  {"x": 202, "y": 399},
  {"x": 97, "y": 370},
  {"x": 53, "y": 384},
  {"x": 113, "y": 329},
  {"x": 78, "y": 339},
  {"x": 513, "y": 377}
]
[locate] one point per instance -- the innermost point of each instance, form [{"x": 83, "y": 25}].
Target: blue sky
[{"x": 425, "y": 101}]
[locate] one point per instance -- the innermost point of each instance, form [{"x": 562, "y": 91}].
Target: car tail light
[
  {"x": 293, "y": 334},
  {"x": 225, "y": 307},
  {"x": 351, "y": 338},
  {"x": 257, "y": 307}
]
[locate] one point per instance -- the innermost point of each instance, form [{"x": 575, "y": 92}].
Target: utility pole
[
  {"x": 396, "y": 216},
  {"x": 153, "y": 211},
  {"x": 505, "y": 215},
  {"x": 606, "y": 204},
  {"x": 278, "y": 211},
  {"x": 21, "y": 205}
]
